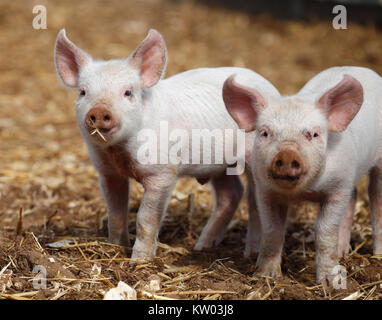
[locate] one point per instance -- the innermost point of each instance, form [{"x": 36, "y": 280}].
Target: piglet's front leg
[
  {"x": 150, "y": 214},
  {"x": 327, "y": 229},
  {"x": 273, "y": 216},
  {"x": 115, "y": 191}
]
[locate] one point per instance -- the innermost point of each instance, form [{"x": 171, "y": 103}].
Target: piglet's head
[
  {"x": 290, "y": 147},
  {"x": 109, "y": 104}
]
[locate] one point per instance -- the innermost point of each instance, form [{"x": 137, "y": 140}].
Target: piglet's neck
[{"x": 124, "y": 162}]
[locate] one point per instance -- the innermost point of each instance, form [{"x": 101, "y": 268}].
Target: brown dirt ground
[{"x": 45, "y": 169}]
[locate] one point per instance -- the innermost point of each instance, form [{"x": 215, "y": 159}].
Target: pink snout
[
  {"x": 287, "y": 167},
  {"x": 101, "y": 118}
]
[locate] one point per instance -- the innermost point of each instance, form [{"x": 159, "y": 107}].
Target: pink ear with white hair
[
  {"x": 342, "y": 103},
  {"x": 68, "y": 59},
  {"x": 242, "y": 103},
  {"x": 150, "y": 58}
]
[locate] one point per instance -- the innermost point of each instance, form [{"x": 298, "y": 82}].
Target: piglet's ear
[
  {"x": 68, "y": 59},
  {"x": 342, "y": 103},
  {"x": 242, "y": 103},
  {"x": 150, "y": 58}
]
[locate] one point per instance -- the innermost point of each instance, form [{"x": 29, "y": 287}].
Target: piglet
[
  {"x": 120, "y": 101},
  {"x": 315, "y": 146}
]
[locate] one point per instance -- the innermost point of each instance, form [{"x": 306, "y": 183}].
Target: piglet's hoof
[
  {"x": 268, "y": 269},
  {"x": 123, "y": 240},
  {"x": 207, "y": 242},
  {"x": 141, "y": 256},
  {"x": 332, "y": 277}
]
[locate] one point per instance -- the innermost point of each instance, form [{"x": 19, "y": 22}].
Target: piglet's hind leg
[{"x": 228, "y": 192}]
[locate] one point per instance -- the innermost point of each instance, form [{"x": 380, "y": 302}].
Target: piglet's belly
[{"x": 201, "y": 171}]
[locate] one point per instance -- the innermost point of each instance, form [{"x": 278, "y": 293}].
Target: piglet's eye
[
  {"x": 127, "y": 93},
  {"x": 264, "y": 134},
  {"x": 308, "y": 135},
  {"x": 315, "y": 135},
  {"x": 82, "y": 92}
]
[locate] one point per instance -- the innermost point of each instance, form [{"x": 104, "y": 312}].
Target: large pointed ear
[
  {"x": 68, "y": 59},
  {"x": 342, "y": 103},
  {"x": 150, "y": 58},
  {"x": 242, "y": 103}
]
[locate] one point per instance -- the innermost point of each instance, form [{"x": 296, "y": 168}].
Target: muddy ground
[{"x": 45, "y": 171}]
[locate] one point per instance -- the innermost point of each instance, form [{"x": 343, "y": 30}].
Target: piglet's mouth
[
  {"x": 285, "y": 182},
  {"x": 103, "y": 134},
  {"x": 100, "y": 132},
  {"x": 286, "y": 178}
]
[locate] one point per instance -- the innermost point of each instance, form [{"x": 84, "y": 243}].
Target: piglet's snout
[
  {"x": 287, "y": 165},
  {"x": 100, "y": 117}
]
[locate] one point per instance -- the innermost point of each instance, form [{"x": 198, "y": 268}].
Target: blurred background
[{"x": 44, "y": 165}]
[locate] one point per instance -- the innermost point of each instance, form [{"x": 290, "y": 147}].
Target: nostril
[
  {"x": 92, "y": 118},
  {"x": 106, "y": 118},
  {"x": 295, "y": 164},
  {"x": 279, "y": 163}
]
